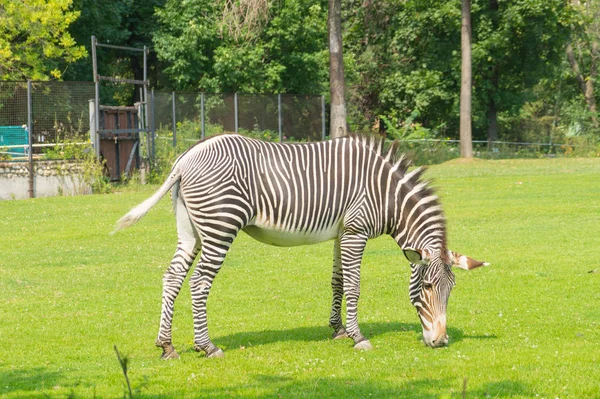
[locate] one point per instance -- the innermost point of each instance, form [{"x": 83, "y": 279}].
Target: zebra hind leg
[
  {"x": 335, "y": 319},
  {"x": 211, "y": 259},
  {"x": 187, "y": 250},
  {"x": 172, "y": 282}
]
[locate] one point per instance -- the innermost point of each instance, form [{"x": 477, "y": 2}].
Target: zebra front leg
[
  {"x": 351, "y": 249},
  {"x": 335, "y": 319}
]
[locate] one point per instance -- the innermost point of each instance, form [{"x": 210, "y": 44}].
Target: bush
[{"x": 78, "y": 148}]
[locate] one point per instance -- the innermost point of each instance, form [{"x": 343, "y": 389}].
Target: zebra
[{"x": 348, "y": 190}]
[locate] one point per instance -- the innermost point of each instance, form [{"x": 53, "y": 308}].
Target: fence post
[
  {"x": 323, "y": 118},
  {"x": 152, "y": 126},
  {"x": 202, "y": 116},
  {"x": 96, "y": 142},
  {"x": 235, "y": 111},
  {"x": 174, "y": 121},
  {"x": 279, "y": 120},
  {"x": 30, "y": 137},
  {"x": 149, "y": 140}
]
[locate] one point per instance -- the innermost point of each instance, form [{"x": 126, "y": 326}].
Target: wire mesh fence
[
  {"x": 188, "y": 117},
  {"x": 13, "y": 118},
  {"x": 436, "y": 151},
  {"x": 59, "y": 112}
]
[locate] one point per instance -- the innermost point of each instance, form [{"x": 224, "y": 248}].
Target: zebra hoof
[
  {"x": 341, "y": 333},
  {"x": 364, "y": 346},
  {"x": 169, "y": 352},
  {"x": 218, "y": 353}
]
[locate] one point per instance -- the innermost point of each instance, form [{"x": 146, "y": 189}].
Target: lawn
[{"x": 527, "y": 326}]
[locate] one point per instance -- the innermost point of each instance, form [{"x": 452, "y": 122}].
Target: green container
[{"x": 13, "y": 135}]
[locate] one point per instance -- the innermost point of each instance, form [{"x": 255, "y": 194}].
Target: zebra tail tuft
[{"x": 139, "y": 211}]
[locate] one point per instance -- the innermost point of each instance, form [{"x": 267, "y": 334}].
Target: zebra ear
[
  {"x": 464, "y": 262},
  {"x": 413, "y": 255}
]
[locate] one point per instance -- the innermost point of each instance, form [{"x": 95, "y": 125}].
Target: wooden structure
[
  {"x": 116, "y": 130},
  {"x": 119, "y": 136}
]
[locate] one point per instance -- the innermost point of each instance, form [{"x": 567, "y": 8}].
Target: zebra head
[{"x": 431, "y": 281}]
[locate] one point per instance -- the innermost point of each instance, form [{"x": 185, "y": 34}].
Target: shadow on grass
[
  {"x": 320, "y": 333},
  {"x": 270, "y": 386},
  {"x": 457, "y": 335},
  {"x": 27, "y": 381},
  {"x": 501, "y": 389}
]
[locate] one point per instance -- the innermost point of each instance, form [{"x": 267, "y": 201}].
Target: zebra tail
[{"x": 139, "y": 211}]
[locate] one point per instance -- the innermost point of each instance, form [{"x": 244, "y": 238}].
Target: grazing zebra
[{"x": 348, "y": 189}]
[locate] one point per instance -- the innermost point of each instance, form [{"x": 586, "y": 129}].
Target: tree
[
  {"x": 34, "y": 39},
  {"x": 405, "y": 70},
  {"x": 207, "y": 46},
  {"x": 516, "y": 45},
  {"x": 128, "y": 23},
  {"x": 584, "y": 61},
  {"x": 408, "y": 60},
  {"x": 466, "y": 144},
  {"x": 337, "y": 120}
]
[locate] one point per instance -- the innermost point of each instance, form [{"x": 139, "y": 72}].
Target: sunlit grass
[{"x": 528, "y": 325}]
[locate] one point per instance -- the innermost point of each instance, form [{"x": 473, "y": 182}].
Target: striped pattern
[{"x": 349, "y": 190}]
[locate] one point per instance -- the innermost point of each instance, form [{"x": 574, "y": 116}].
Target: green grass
[{"x": 527, "y": 326}]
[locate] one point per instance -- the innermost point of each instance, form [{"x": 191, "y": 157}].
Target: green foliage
[
  {"x": 265, "y": 135},
  {"x": 580, "y": 112},
  {"x": 515, "y": 47},
  {"x": 408, "y": 57},
  {"x": 525, "y": 326},
  {"x": 402, "y": 57},
  {"x": 34, "y": 39},
  {"x": 429, "y": 152},
  {"x": 127, "y": 23},
  {"x": 289, "y": 55},
  {"x": 188, "y": 133},
  {"x": 407, "y": 129},
  {"x": 435, "y": 151},
  {"x": 76, "y": 147},
  {"x": 405, "y": 61},
  {"x": 3, "y": 156}
]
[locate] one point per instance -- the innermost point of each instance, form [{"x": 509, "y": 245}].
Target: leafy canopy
[
  {"x": 34, "y": 39},
  {"x": 288, "y": 55}
]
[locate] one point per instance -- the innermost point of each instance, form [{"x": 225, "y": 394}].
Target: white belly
[{"x": 282, "y": 238}]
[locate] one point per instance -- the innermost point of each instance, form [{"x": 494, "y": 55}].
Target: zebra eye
[{"x": 427, "y": 286}]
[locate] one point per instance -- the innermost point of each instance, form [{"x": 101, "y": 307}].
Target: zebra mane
[
  {"x": 390, "y": 153},
  {"x": 400, "y": 164}
]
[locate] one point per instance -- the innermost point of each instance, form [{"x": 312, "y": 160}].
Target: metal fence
[
  {"x": 283, "y": 117},
  {"x": 54, "y": 111},
  {"x": 49, "y": 120},
  {"x": 60, "y": 111}
]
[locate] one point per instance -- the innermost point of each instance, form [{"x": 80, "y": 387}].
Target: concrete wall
[{"x": 51, "y": 178}]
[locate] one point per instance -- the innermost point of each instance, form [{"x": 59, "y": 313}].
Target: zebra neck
[{"x": 418, "y": 218}]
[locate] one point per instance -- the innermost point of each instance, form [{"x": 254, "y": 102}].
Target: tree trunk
[
  {"x": 466, "y": 143},
  {"x": 586, "y": 84},
  {"x": 338, "y": 126}
]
